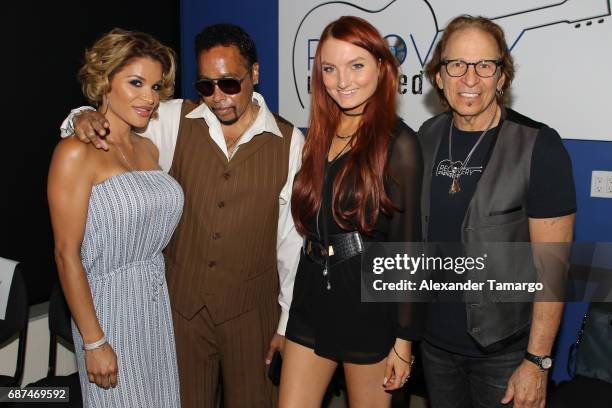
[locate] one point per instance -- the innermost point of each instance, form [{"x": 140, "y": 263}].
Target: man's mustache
[{"x": 222, "y": 106}]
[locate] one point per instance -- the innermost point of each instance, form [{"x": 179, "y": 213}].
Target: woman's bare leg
[
  {"x": 304, "y": 377},
  {"x": 365, "y": 385}
]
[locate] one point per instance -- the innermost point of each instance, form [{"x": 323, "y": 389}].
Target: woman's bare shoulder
[{"x": 71, "y": 155}]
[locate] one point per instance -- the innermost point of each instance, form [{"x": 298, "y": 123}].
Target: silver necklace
[
  {"x": 232, "y": 148},
  {"x": 457, "y": 171},
  {"x": 129, "y": 165}
]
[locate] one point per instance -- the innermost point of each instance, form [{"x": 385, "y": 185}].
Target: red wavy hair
[{"x": 358, "y": 189}]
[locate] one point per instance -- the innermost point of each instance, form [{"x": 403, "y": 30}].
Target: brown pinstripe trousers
[{"x": 233, "y": 351}]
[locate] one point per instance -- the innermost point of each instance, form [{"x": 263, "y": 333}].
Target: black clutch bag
[{"x": 274, "y": 370}]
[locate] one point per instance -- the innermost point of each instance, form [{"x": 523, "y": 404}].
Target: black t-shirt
[{"x": 551, "y": 194}]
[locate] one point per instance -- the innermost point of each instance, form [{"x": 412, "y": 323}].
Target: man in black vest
[{"x": 491, "y": 175}]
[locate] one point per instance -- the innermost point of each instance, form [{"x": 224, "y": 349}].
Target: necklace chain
[
  {"x": 328, "y": 164},
  {"x": 129, "y": 165},
  {"x": 232, "y": 148},
  {"x": 345, "y": 137},
  {"x": 455, "y": 187},
  {"x": 344, "y": 149}
]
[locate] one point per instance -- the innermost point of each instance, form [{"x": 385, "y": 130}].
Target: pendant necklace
[
  {"x": 457, "y": 171},
  {"x": 328, "y": 164}
]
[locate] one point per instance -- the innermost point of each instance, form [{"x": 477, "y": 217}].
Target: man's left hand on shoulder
[{"x": 527, "y": 386}]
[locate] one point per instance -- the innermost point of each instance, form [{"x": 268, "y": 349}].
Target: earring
[
  {"x": 107, "y": 104},
  {"x": 499, "y": 92}
]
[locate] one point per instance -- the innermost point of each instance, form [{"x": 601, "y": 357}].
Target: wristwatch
[{"x": 544, "y": 362}]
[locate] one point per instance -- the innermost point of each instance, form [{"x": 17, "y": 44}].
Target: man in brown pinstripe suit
[{"x": 236, "y": 245}]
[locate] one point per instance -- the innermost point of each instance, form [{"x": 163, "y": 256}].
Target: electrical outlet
[{"x": 601, "y": 184}]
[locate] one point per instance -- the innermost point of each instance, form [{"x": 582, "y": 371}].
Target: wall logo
[
  {"x": 398, "y": 48},
  {"x": 394, "y": 20},
  {"x": 411, "y": 29}
]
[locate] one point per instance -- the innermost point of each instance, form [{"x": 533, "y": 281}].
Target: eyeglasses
[
  {"x": 229, "y": 86},
  {"x": 484, "y": 68}
]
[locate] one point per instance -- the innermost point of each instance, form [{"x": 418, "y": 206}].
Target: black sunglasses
[{"x": 229, "y": 86}]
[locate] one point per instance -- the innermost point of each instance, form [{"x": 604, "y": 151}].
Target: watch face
[{"x": 546, "y": 363}]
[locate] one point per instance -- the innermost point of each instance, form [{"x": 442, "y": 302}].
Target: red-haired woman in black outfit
[{"x": 359, "y": 182}]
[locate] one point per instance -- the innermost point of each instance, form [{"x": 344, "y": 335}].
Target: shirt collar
[{"x": 265, "y": 121}]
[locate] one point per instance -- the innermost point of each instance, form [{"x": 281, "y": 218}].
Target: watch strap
[{"x": 543, "y": 362}]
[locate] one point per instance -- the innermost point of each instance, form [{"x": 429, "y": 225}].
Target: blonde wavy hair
[{"x": 116, "y": 49}]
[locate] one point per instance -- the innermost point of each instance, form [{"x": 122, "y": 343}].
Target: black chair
[
  {"x": 59, "y": 326},
  {"x": 60, "y": 331},
  {"x": 15, "y": 325}
]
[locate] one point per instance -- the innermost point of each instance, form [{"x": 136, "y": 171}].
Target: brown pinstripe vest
[{"x": 222, "y": 255}]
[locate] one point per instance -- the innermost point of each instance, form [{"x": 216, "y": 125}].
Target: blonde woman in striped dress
[{"x": 113, "y": 212}]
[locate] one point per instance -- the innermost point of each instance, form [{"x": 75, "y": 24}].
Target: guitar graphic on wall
[{"x": 412, "y": 27}]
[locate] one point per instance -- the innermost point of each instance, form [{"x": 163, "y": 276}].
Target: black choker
[{"x": 352, "y": 114}]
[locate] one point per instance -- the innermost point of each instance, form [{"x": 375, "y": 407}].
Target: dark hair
[
  {"x": 359, "y": 183},
  {"x": 483, "y": 24},
  {"x": 227, "y": 35}
]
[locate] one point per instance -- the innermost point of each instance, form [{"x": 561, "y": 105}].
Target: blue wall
[
  {"x": 260, "y": 20},
  {"x": 594, "y": 218},
  {"x": 593, "y": 224}
]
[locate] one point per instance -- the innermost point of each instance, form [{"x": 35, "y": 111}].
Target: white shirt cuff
[
  {"x": 282, "y": 322},
  {"x": 67, "y": 127}
]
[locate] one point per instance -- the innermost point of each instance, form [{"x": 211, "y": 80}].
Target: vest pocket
[
  {"x": 508, "y": 211},
  {"x": 505, "y": 216}
]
